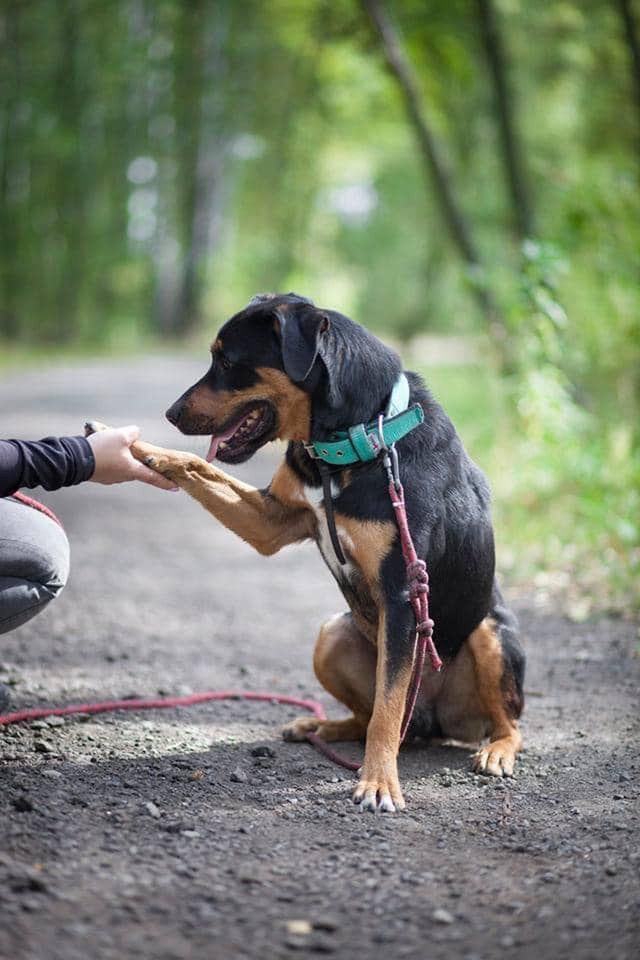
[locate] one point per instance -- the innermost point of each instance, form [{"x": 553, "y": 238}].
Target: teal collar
[{"x": 365, "y": 442}]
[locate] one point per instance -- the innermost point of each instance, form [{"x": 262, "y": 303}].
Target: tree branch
[
  {"x": 633, "y": 43},
  {"x": 511, "y": 153},
  {"x": 457, "y": 224}
]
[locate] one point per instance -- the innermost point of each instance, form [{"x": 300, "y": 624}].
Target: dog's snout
[{"x": 173, "y": 413}]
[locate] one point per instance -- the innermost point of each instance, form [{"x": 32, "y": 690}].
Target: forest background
[{"x": 462, "y": 177}]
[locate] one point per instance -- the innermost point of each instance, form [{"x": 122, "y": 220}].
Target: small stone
[
  {"x": 238, "y": 776},
  {"x": 321, "y": 945},
  {"x": 43, "y": 746},
  {"x": 300, "y": 928},
  {"x": 152, "y": 810},
  {"x": 174, "y": 827},
  {"x": 22, "y": 804},
  {"x": 442, "y": 916},
  {"x": 53, "y": 774},
  {"x": 263, "y": 751},
  {"x": 296, "y": 943},
  {"x": 56, "y": 721},
  {"x": 39, "y": 725},
  {"x": 27, "y": 880},
  {"x": 610, "y": 870}
]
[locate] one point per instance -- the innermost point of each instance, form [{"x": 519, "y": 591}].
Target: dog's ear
[{"x": 301, "y": 330}]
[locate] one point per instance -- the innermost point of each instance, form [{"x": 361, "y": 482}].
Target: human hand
[{"x": 115, "y": 462}]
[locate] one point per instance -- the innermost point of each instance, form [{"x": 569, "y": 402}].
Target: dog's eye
[{"x": 224, "y": 362}]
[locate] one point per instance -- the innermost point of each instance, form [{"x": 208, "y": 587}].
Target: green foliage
[{"x": 566, "y": 487}]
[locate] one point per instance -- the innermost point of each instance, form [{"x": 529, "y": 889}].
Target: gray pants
[{"x": 34, "y": 562}]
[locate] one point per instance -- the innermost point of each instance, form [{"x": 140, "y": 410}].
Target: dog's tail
[{"x": 513, "y": 656}]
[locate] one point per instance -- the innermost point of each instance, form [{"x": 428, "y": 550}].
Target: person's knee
[
  {"x": 32, "y": 574},
  {"x": 54, "y": 572},
  {"x": 45, "y": 562}
]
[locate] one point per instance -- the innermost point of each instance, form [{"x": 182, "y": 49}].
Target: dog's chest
[{"x": 342, "y": 572}]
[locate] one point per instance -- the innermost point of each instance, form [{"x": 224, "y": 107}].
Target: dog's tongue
[
  {"x": 217, "y": 439},
  {"x": 213, "y": 449}
]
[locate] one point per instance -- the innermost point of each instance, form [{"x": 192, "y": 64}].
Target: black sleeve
[{"x": 50, "y": 463}]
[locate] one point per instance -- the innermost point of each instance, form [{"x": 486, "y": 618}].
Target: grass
[{"x": 566, "y": 505}]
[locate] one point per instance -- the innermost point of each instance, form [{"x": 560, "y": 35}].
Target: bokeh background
[{"x": 462, "y": 177}]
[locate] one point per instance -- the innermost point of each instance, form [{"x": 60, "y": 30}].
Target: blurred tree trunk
[
  {"x": 504, "y": 105},
  {"x": 188, "y": 89},
  {"x": 10, "y": 60},
  {"x": 200, "y": 60},
  {"x": 455, "y": 220},
  {"x": 633, "y": 45},
  {"x": 69, "y": 184}
]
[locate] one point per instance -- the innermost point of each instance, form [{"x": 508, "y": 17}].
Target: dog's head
[{"x": 283, "y": 368}]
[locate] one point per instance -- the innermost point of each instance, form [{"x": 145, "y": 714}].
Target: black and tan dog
[{"x": 282, "y": 368}]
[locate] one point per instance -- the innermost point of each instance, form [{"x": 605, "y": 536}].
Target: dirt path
[{"x": 161, "y": 835}]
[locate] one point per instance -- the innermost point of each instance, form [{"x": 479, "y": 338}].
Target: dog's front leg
[
  {"x": 379, "y": 786},
  {"x": 259, "y": 517}
]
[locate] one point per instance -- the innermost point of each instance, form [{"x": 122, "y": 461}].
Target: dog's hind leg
[
  {"x": 481, "y": 695},
  {"x": 345, "y": 664}
]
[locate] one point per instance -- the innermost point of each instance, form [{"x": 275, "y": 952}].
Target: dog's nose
[{"x": 173, "y": 413}]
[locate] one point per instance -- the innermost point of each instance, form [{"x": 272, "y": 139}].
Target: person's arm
[
  {"x": 56, "y": 462},
  {"x": 50, "y": 463}
]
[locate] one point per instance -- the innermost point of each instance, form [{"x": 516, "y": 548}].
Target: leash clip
[{"x": 391, "y": 464}]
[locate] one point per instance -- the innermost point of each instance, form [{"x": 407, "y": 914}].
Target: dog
[{"x": 285, "y": 369}]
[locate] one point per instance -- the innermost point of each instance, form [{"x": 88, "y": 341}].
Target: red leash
[
  {"x": 40, "y": 507},
  {"x": 38, "y": 713},
  {"x": 419, "y": 596}
]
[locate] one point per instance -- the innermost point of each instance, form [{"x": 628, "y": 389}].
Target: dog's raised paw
[{"x": 93, "y": 426}]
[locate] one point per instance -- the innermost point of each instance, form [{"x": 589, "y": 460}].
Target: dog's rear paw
[
  {"x": 329, "y": 730},
  {"x": 297, "y": 730},
  {"x": 497, "y": 759}
]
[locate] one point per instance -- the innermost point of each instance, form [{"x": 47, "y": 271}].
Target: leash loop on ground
[{"x": 162, "y": 703}]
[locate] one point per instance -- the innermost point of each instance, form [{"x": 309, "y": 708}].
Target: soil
[{"x": 162, "y": 835}]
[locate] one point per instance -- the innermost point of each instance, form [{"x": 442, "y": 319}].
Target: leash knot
[
  {"x": 418, "y": 579},
  {"x": 425, "y": 628}
]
